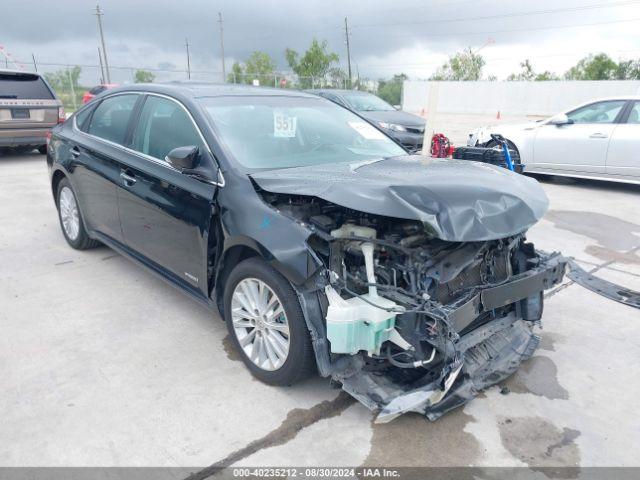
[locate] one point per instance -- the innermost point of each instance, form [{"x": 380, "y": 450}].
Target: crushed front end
[{"x": 415, "y": 323}]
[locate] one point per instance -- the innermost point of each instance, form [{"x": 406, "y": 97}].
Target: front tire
[
  {"x": 71, "y": 219},
  {"x": 266, "y": 324},
  {"x": 42, "y": 149}
]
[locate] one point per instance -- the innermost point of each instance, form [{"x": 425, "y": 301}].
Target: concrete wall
[{"x": 510, "y": 98}]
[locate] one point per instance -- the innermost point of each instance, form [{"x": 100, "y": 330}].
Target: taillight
[{"x": 61, "y": 115}]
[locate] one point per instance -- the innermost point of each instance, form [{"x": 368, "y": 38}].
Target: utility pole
[
  {"x": 104, "y": 48},
  {"x": 224, "y": 73},
  {"x": 186, "y": 44},
  {"x": 346, "y": 33},
  {"x": 101, "y": 66}
]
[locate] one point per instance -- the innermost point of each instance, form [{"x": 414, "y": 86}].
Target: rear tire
[
  {"x": 70, "y": 218},
  {"x": 275, "y": 347}
]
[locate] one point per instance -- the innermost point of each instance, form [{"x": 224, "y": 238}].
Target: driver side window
[
  {"x": 601, "y": 112},
  {"x": 163, "y": 126}
]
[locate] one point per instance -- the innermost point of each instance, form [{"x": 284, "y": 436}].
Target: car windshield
[
  {"x": 265, "y": 132},
  {"x": 366, "y": 102}
]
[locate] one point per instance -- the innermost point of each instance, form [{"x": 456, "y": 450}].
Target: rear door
[
  {"x": 165, "y": 215},
  {"x": 623, "y": 157},
  {"x": 580, "y": 146},
  {"x": 28, "y": 108},
  {"x": 97, "y": 155}
]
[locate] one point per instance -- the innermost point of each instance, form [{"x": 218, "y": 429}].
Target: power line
[
  {"x": 487, "y": 60},
  {"x": 224, "y": 75},
  {"x": 501, "y": 15},
  {"x": 516, "y": 30},
  {"x": 346, "y": 33},
  {"x": 99, "y": 14},
  {"x": 186, "y": 44}
]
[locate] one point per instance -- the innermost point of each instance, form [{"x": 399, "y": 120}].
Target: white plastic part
[
  {"x": 350, "y": 230},
  {"x": 354, "y": 324},
  {"x": 367, "y": 321},
  {"x": 367, "y": 251}
]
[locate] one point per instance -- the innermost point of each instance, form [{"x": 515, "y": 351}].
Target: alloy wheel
[
  {"x": 260, "y": 324},
  {"x": 69, "y": 213}
]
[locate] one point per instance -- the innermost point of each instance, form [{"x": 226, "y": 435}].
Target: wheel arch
[
  {"x": 57, "y": 176},
  {"x": 235, "y": 251}
]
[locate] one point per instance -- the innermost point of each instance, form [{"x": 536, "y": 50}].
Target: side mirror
[
  {"x": 560, "y": 119},
  {"x": 182, "y": 158}
]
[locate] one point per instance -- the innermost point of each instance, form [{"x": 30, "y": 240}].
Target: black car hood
[
  {"x": 458, "y": 201},
  {"x": 394, "y": 116}
]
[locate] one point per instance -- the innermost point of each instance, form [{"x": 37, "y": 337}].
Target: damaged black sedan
[{"x": 325, "y": 246}]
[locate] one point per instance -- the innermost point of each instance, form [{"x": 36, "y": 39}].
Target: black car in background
[
  {"x": 406, "y": 128},
  {"x": 323, "y": 245}
]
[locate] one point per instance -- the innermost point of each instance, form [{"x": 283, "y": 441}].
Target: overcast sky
[{"x": 387, "y": 37}]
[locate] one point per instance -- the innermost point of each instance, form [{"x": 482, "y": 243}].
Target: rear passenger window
[
  {"x": 111, "y": 117},
  {"x": 82, "y": 119},
  {"x": 163, "y": 126}
]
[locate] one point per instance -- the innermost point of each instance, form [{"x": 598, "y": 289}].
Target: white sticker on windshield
[
  {"x": 367, "y": 131},
  {"x": 284, "y": 126}
]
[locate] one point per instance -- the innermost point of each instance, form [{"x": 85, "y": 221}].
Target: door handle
[
  {"x": 75, "y": 152},
  {"x": 128, "y": 180},
  {"x": 598, "y": 135}
]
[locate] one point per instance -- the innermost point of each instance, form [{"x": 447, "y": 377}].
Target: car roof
[
  {"x": 19, "y": 72},
  {"x": 614, "y": 97},
  {"x": 205, "y": 89}
]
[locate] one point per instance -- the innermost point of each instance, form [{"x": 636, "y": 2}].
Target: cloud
[{"x": 409, "y": 36}]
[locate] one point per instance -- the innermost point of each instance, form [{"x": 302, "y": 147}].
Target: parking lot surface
[{"x": 102, "y": 364}]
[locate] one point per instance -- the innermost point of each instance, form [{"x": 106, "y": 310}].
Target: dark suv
[
  {"x": 28, "y": 110},
  {"x": 322, "y": 243}
]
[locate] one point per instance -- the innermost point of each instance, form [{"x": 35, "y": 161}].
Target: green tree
[
  {"x": 64, "y": 78},
  {"x": 259, "y": 65},
  {"x": 144, "y": 76},
  {"x": 628, "y": 70},
  {"x": 391, "y": 90},
  {"x": 593, "y": 67},
  {"x": 236, "y": 75},
  {"x": 528, "y": 74},
  {"x": 315, "y": 63},
  {"x": 465, "y": 65},
  {"x": 65, "y": 83}
]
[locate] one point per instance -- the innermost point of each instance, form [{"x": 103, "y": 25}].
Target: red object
[
  {"x": 283, "y": 82},
  {"x": 61, "y": 116},
  {"x": 440, "y": 146},
  {"x": 91, "y": 94}
]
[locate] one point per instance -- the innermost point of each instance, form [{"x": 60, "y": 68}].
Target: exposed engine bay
[{"x": 416, "y": 323}]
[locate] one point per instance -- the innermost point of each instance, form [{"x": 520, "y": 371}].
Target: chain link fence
[{"x": 70, "y": 82}]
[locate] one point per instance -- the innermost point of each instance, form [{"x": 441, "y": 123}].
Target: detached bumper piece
[{"x": 602, "y": 287}]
